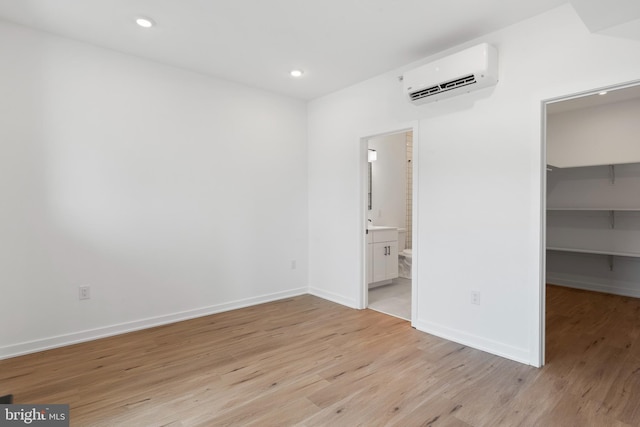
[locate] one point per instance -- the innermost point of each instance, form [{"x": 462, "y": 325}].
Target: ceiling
[{"x": 257, "y": 42}]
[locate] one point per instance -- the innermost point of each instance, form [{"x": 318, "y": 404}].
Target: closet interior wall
[{"x": 593, "y": 197}]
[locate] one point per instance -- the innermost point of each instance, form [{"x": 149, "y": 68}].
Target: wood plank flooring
[{"x": 309, "y": 362}]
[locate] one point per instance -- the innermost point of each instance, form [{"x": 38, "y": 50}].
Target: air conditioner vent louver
[
  {"x": 441, "y": 79},
  {"x": 424, "y": 93},
  {"x": 442, "y": 87},
  {"x": 463, "y": 81}
]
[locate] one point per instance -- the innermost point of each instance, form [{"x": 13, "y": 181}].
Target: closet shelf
[{"x": 594, "y": 251}]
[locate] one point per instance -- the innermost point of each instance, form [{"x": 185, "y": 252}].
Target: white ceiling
[
  {"x": 257, "y": 42},
  {"x": 605, "y": 15}
]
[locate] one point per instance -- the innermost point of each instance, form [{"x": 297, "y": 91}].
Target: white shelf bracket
[
  {"x": 612, "y": 174},
  {"x": 612, "y": 219}
]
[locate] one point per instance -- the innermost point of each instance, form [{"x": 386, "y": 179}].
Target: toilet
[{"x": 404, "y": 255}]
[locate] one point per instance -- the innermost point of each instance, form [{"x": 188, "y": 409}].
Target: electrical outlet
[
  {"x": 293, "y": 264},
  {"x": 475, "y": 297},
  {"x": 84, "y": 292}
]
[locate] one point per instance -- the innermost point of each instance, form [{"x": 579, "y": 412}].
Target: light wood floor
[{"x": 306, "y": 361}]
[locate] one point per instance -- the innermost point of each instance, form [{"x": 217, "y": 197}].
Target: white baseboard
[
  {"x": 615, "y": 288},
  {"x": 517, "y": 354},
  {"x": 330, "y": 296},
  {"x": 122, "y": 328},
  {"x": 374, "y": 285}
]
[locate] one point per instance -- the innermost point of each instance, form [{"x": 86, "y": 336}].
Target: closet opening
[{"x": 591, "y": 294}]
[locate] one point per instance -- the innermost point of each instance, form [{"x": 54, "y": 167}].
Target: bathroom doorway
[{"x": 389, "y": 217}]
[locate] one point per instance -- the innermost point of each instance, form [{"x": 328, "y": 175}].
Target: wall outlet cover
[{"x": 475, "y": 297}]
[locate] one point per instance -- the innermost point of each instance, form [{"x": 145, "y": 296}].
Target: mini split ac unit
[{"x": 462, "y": 72}]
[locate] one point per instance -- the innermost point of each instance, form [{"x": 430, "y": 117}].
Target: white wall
[
  {"x": 617, "y": 275},
  {"x": 479, "y": 186},
  {"x": 170, "y": 193},
  {"x": 607, "y": 134},
  {"x": 389, "y": 181}
]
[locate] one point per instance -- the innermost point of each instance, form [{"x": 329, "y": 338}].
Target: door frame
[
  {"x": 542, "y": 305},
  {"x": 363, "y": 212}
]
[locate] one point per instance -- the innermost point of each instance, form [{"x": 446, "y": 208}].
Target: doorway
[
  {"x": 389, "y": 234},
  {"x": 591, "y": 216}
]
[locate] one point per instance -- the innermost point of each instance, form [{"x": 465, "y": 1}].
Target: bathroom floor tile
[{"x": 393, "y": 299}]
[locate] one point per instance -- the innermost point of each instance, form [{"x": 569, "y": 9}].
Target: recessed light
[
  {"x": 145, "y": 22},
  {"x": 604, "y": 92},
  {"x": 296, "y": 73}
]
